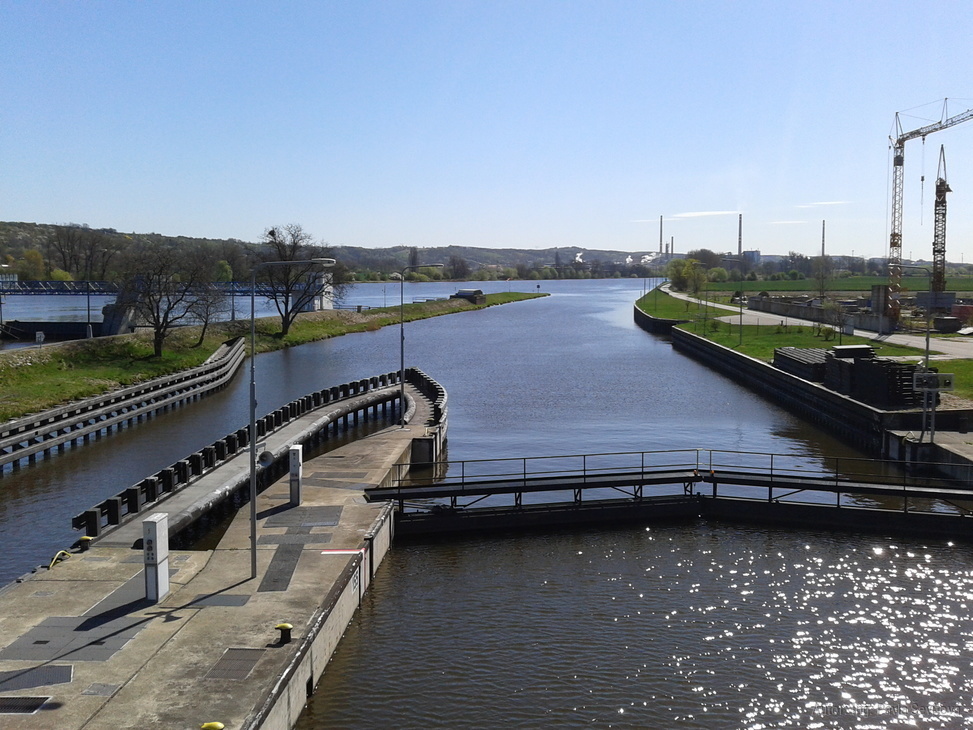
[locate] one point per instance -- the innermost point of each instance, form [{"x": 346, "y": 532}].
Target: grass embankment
[
  {"x": 759, "y": 341},
  {"x": 849, "y": 285},
  {"x": 35, "y": 379}
]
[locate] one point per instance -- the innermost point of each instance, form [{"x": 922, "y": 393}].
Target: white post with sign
[
  {"x": 155, "y": 544},
  {"x": 296, "y": 455}
]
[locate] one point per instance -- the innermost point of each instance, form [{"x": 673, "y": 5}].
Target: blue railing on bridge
[
  {"x": 73, "y": 288},
  {"x": 236, "y": 288}
]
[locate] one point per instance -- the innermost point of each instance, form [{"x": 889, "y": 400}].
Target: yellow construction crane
[{"x": 898, "y": 170}]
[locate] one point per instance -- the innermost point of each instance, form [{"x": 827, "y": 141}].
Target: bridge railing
[
  {"x": 708, "y": 462},
  {"x": 478, "y": 471},
  {"x": 837, "y": 469},
  {"x": 154, "y": 489}
]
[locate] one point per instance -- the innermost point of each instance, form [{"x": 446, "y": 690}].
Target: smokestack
[
  {"x": 740, "y": 242},
  {"x": 660, "y": 234},
  {"x": 822, "y": 239}
]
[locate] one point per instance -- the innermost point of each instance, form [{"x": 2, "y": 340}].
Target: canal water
[{"x": 694, "y": 625}]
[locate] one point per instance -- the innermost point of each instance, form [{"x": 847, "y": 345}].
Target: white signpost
[{"x": 155, "y": 545}]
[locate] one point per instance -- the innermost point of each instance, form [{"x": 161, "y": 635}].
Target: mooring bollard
[{"x": 285, "y": 633}]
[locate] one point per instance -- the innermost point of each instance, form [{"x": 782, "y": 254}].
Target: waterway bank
[
  {"x": 881, "y": 432},
  {"x": 35, "y": 379}
]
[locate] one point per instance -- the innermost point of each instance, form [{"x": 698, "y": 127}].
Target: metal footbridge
[{"x": 638, "y": 482}]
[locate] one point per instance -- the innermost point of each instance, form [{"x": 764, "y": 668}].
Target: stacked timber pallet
[
  {"x": 804, "y": 362},
  {"x": 886, "y": 384},
  {"x": 853, "y": 371}
]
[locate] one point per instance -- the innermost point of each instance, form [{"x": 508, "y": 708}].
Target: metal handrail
[{"x": 842, "y": 469}]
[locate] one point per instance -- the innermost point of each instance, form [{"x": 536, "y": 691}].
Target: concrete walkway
[{"x": 80, "y": 642}]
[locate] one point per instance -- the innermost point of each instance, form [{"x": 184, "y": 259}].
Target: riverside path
[{"x": 83, "y": 648}]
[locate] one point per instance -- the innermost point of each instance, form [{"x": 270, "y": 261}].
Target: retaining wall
[
  {"x": 284, "y": 702},
  {"x": 861, "y": 424},
  {"x": 655, "y": 325},
  {"x": 864, "y": 426},
  {"x": 154, "y": 489},
  {"x": 78, "y": 422}
]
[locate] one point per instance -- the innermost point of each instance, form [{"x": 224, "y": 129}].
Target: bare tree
[
  {"x": 458, "y": 268},
  {"x": 64, "y": 249},
  {"x": 294, "y": 287},
  {"x": 168, "y": 283},
  {"x": 823, "y": 270},
  {"x": 209, "y": 302}
]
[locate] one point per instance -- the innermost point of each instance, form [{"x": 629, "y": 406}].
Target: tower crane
[
  {"x": 938, "y": 280},
  {"x": 898, "y": 172}
]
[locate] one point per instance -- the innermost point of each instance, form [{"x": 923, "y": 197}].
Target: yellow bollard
[
  {"x": 285, "y": 633},
  {"x": 211, "y": 726}
]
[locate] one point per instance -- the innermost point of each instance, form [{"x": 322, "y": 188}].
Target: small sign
[
  {"x": 38, "y": 337},
  {"x": 932, "y": 382}
]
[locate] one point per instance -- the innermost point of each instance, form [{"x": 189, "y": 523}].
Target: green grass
[
  {"x": 659, "y": 304},
  {"x": 851, "y": 284},
  {"x": 35, "y": 379},
  {"x": 759, "y": 341}
]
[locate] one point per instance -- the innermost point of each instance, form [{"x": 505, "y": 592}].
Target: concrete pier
[{"x": 81, "y": 647}]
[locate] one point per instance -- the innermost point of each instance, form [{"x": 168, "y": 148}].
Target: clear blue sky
[{"x": 503, "y": 124}]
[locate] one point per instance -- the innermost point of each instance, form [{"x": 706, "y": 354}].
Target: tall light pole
[
  {"x": 3, "y": 280},
  {"x": 253, "y": 395},
  {"x": 402, "y": 333},
  {"x": 739, "y": 298}
]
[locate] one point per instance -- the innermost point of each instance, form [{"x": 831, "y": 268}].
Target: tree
[
  {"x": 833, "y": 314},
  {"x": 208, "y": 302},
  {"x": 823, "y": 270},
  {"x": 295, "y": 287},
  {"x": 717, "y": 274},
  {"x": 166, "y": 284},
  {"x": 706, "y": 258},
  {"x": 695, "y": 277},
  {"x": 31, "y": 266},
  {"x": 676, "y": 273},
  {"x": 458, "y": 268},
  {"x": 64, "y": 248}
]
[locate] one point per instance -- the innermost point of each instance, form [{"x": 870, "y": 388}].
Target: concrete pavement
[{"x": 82, "y": 648}]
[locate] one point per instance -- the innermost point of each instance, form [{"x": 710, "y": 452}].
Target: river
[{"x": 698, "y": 625}]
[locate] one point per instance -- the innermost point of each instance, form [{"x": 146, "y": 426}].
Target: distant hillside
[
  {"x": 396, "y": 257},
  {"x": 16, "y": 237}
]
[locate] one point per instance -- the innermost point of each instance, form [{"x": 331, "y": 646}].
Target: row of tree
[{"x": 170, "y": 282}]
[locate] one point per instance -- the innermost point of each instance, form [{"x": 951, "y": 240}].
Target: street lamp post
[
  {"x": 739, "y": 298},
  {"x": 3, "y": 280},
  {"x": 402, "y": 333},
  {"x": 253, "y": 395},
  {"x": 87, "y": 290}
]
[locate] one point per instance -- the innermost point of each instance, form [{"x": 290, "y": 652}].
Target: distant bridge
[
  {"x": 83, "y": 288},
  {"x": 73, "y": 288}
]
